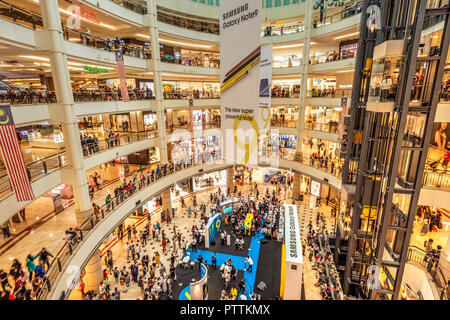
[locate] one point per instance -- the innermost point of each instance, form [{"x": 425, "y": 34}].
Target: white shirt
[
  {"x": 243, "y": 297},
  {"x": 249, "y": 260}
]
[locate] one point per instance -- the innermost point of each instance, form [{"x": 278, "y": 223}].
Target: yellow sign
[{"x": 252, "y": 145}]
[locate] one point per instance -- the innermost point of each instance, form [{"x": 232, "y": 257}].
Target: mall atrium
[{"x": 224, "y": 150}]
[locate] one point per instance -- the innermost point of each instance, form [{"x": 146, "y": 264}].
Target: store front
[
  {"x": 181, "y": 151},
  {"x": 187, "y": 90},
  {"x": 322, "y": 118},
  {"x": 150, "y": 121},
  {"x": 43, "y": 136},
  {"x": 284, "y": 116},
  {"x": 200, "y": 58},
  {"x": 284, "y": 144},
  {"x": 214, "y": 179},
  {"x": 286, "y": 89},
  {"x": 324, "y": 88},
  {"x": 292, "y": 60},
  {"x": 348, "y": 49},
  {"x": 206, "y": 149}
]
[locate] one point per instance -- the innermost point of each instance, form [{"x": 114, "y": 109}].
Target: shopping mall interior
[{"x": 127, "y": 189}]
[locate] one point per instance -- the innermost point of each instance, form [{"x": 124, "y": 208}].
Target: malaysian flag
[
  {"x": 122, "y": 75},
  {"x": 12, "y": 156}
]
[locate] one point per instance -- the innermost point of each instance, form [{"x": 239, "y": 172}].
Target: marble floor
[{"x": 49, "y": 234}]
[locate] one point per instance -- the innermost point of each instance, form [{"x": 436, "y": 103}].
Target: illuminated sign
[{"x": 95, "y": 69}]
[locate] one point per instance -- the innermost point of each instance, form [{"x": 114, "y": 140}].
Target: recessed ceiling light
[
  {"x": 347, "y": 35},
  {"x": 185, "y": 43},
  {"x": 36, "y": 58}
]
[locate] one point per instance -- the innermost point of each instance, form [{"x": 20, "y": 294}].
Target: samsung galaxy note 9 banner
[
  {"x": 240, "y": 56},
  {"x": 265, "y": 84}
]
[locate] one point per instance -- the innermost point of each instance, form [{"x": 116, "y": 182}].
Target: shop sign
[
  {"x": 95, "y": 69},
  {"x": 292, "y": 234}
]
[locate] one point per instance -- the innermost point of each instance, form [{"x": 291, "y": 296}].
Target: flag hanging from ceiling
[
  {"x": 122, "y": 75},
  {"x": 13, "y": 157}
]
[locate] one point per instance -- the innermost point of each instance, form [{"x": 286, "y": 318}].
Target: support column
[
  {"x": 94, "y": 273},
  {"x": 296, "y": 186},
  {"x": 157, "y": 77},
  {"x": 63, "y": 88},
  {"x": 304, "y": 84},
  {"x": 167, "y": 201},
  {"x": 230, "y": 179}
]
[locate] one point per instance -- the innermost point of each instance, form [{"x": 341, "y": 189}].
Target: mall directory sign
[{"x": 240, "y": 56}]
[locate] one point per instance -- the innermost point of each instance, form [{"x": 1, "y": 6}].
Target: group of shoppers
[{"x": 24, "y": 280}]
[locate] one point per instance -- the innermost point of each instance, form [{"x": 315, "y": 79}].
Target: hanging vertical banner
[
  {"x": 122, "y": 75},
  {"x": 13, "y": 157},
  {"x": 265, "y": 85},
  {"x": 240, "y": 55}
]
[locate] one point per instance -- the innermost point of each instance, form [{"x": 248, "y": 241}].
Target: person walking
[{"x": 250, "y": 263}]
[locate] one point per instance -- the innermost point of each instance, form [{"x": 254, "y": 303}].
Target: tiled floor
[{"x": 49, "y": 234}]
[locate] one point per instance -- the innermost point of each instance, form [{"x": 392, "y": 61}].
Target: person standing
[
  {"x": 43, "y": 256},
  {"x": 214, "y": 261},
  {"x": 30, "y": 265},
  {"x": 250, "y": 263}
]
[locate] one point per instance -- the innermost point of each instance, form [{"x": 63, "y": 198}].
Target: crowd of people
[
  {"x": 282, "y": 92},
  {"x": 178, "y": 93},
  {"x": 28, "y": 277},
  {"x": 30, "y": 95},
  {"x": 322, "y": 160},
  {"x": 152, "y": 276},
  {"x": 323, "y": 93},
  {"x": 321, "y": 256},
  {"x": 431, "y": 220},
  {"x": 90, "y": 144},
  {"x": 111, "y": 93}
]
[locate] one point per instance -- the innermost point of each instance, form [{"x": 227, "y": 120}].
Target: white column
[
  {"x": 296, "y": 187},
  {"x": 157, "y": 77},
  {"x": 61, "y": 79},
  {"x": 230, "y": 179},
  {"x": 94, "y": 273},
  {"x": 304, "y": 71},
  {"x": 167, "y": 201}
]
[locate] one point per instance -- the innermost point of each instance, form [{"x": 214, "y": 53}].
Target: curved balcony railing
[
  {"x": 192, "y": 61},
  {"x": 110, "y": 95},
  {"x": 106, "y": 44},
  {"x": 137, "y": 6},
  {"x": 25, "y": 96},
  {"x": 332, "y": 57},
  {"x": 66, "y": 248},
  {"x": 189, "y": 94},
  {"x": 186, "y": 23},
  {"x": 333, "y": 167},
  {"x": 91, "y": 148},
  {"x": 341, "y": 15},
  {"x": 439, "y": 179},
  {"x": 434, "y": 269},
  {"x": 186, "y": 126},
  {"x": 284, "y": 124},
  {"x": 35, "y": 170},
  {"x": 20, "y": 16},
  {"x": 277, "y": 30},
  {"x": 331, "y": 126}
]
